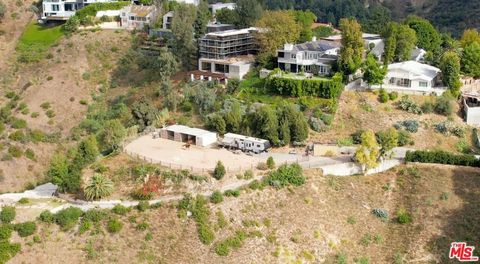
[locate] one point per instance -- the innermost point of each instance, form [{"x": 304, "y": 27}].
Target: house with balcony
[
  {"x": 316, "y": 57},
  {"x": 413, "y": 77},
  {"x": 230, "y": 52},
  {"x": 64, "y": 9},
  {"x": 137, "y": 17}
]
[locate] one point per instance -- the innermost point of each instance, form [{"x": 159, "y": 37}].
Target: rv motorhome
[{"x": 244, "y": 143}]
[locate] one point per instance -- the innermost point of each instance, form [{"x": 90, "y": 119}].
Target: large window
[
  {"x": 423, "y": 84},
  {"x": 55, "y": 7}
]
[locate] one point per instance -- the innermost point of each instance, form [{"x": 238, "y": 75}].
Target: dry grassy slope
[
  {"x": 312, "y": 218},
  {"x": 59, "y": 81}
]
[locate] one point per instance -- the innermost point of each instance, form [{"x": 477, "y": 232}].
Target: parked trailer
[{"x": 244, "y": 143}]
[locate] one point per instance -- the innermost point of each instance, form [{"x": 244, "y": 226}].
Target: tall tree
[
  {"x": 112, "y": 135},
  {"x": 376, "y": 19},
  {"x": 184, "y": 45},
  {"x": 203, "y": 17},
  {"x": 406, "y": 40},
  {"x": 469, "y": 36},
  {"x": 248, "y": 11},
  {"x": 471, "y": 59},
  {"x": 265, "y": 124},
  {"x": 227, "y": 16},
  {"x": 280, "y": 28},
  {"x": 390, "y": 36},
  {"x": 305, "y": 20},
  {"x": 428, "y": 37},
  {"x": 450, "y": 66},
  {"x": 373, "y": 72},
  {"x": 367, "y": 154},
  {"x": 352, "y": 45}
]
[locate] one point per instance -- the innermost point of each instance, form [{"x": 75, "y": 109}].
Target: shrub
[
  {"x": 142, "y": 195},
  {"x": 45, "y": 105},
  {"x": 407, "y": 104},
  {"x": 327, "y": 118},
  {"x": 68, "y": 217},
  {"x": 383, "y": 96},
  {"x": 18, "y": 136},
  {"x": 317, "y": 124},
  {"x": 30, "y": 154},
  {"x": 94, "y": 215},
  {"x": 219, "y": 171},
  {"x": 403, "y": 217},
  {"x": 357, "y": 137},
  {"x": 18, "y": 123},
  {"x": 8, "y": 250},
  {"x": 262, "y": 166},
  {"x": 443, "y": 106},
  {"x": 217, "y": 197},
  {"x": 393, "y": 95},
  {"x": 114, "y": 226},
  {"x": 380, "y": 213},
  {"x": 46, "y": 217},
  {"x": 256, "y": 185},
  {"x": 25, "y": 229},
  {"x": 15, "y": 151},
  {"x": 458, "y": 131},
  {"x": 120, "y": 209},
  {"x": 23, "y": 201},
  {"x": 442, "y": 157},
  {"x": 5, "y": 232},
  {"x": 142, "y": 206},
  {"x": 50, "y": 113},
  {"x": 348, "y": 141},
  {"x": 142, "y": 226},
  {"x": 328, "y": 89},
  {"x": 34, "y": 114},
  {"x": 270, "y": 163},
  {"x": 248, "y": 175},
  {"x": 7, "y": 214},
  {"x": 85, "y": 225},
  {"x": 234, "y": 193},
  {"x": 427, "y": 107},
  {"x": 410, "y": 125},
  {"x": 98, "y": 187},
  {"x": 441, "y": 128},
  {"x": 286, "y": 175}
]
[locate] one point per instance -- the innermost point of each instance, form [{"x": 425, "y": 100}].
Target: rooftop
[
  {"x": 140, "y": 11},
  {"x": 415, "y": 69},
  {"x": 233, "y": 32},
  {"x": 188, "y": 130},
  {"x": 317, "y": 45}
]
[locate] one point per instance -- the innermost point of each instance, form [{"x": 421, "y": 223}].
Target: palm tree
[{"x": 98, "y": 187}]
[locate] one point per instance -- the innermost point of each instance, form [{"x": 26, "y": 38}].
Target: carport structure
[{"x": 194, "y": 136}]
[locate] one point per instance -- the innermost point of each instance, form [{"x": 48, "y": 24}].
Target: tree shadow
[{"x": 463, "y": 224}]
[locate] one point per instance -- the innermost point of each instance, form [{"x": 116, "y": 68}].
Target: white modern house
[
  {"x": 412, "y": 77},
  {"x": 64, "y": 9},
  {"x": 137, "y": 17},
  {"x": 244, "y": 143},
  {"x": 218, "y": 6},
  {"x": 190, "y": 135},
  {"x": 316, "y": 56}
]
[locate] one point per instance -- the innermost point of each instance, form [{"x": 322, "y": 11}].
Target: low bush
[
  {"x": 256, "y": 185},
  {"x": 15, "y": 151},
  {"x": 443, "y": 106},
  {"x": 114, "y": 226},
  {"x": 357, "y": 137},
  {"x": 25, "y": 229},
  {"x": 8, "y": 250},
  {"x": 248, "y": 175},
  {"x": 23, "y": 201},
  {"x": 7, "y": 214},
  {"x": 286, "y": 175},
  {"x": 85, "y": 225},
  {"x": 317, "y": 125},
  {"x": 18, "y": 123},
  {"x": 403, "y": 217},
  {"x": 5, "y": 232},
  {"x": 94, "y": 215},
  {"x": 380, "y": 213},
  {"x": 234, "y": 193},
  {"x": 409, "y": 125},
  {"x": 222, "y": 248},
  {"x": 68, "y": 217},
  {"x": 427, "y": 107},
  {"x": 217, "y": 197},
  {"x": 142, "y": 226},
  {"x": 219, "y": 171},
  {"x": 120, "y": 209},
  {"x": 442, "y": 157},
  {"x": 270, "y": 163},
  {"x": 393, "y": 95},
  {"x": 407, "y": 104},
  {"x": 47, "y": 217},
  {"x": 142, "y": 206},
  {"x": 18, "y": 136},
  {"x": 383, "y": 96},
  {"x": 142, "y": 195}
]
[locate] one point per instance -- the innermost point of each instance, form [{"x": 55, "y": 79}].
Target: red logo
[{"x": 462, "y": 252}]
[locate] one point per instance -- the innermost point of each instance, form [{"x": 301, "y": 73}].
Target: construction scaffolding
[{"x": 224, "y": 44}]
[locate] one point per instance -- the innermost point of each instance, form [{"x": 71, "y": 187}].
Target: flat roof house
[
  {"x": 64, "y": 9},
  {"x": 316, "y": 56},
  {"x": 229, "y": 52},
  {"x": 137, "y": 17},
  {"x": 413, "y": 77},
  {"x": 194, "y": 136}
]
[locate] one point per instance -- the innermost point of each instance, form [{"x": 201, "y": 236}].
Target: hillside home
[
  {"x": 137, "y": 17},
  {"x": 471, "y": 108},
  {"x": 229, "y": 52},
  {"x": 413, "y": 77},
  {"x": 316, "y": 56},
  {"x": 64, "y": 9}
]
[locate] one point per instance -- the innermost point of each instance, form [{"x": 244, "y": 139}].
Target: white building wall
[{"x": 207, "y": 139}]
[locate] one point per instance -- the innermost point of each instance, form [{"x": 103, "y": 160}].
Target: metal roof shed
[{"x": 196, "y": 136}]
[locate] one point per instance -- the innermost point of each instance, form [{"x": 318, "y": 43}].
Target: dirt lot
[
  {"x": 351, "y": 116},
  {"x": 320, "y": 222}
]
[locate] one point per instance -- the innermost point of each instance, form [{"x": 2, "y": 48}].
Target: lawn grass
[{"x": 36, "y": 40}]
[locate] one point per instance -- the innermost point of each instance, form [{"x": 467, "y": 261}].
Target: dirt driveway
[{"x": 171, "y": 154}]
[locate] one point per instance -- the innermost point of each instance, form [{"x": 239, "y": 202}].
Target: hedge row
[
  {"x": 328, "y": 89},
  {"x": 442, "y": 157},
  {"x": 92, "y": 9}
]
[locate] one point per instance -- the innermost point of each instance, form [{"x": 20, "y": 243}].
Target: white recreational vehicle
[{"x": 244, "y": 143}]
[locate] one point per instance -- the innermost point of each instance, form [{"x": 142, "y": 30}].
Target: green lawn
[
  {"x": 36, "y": 40},
  {"x": 301, "y": 77}
]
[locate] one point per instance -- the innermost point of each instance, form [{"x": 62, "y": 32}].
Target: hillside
[{"x": 328, "y": 220}]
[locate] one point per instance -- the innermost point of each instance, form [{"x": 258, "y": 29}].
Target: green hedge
[
  {"x": 92, "y": 9},
  {"x": 329, "y": 88},
  {"x": 442, "y": 157}
]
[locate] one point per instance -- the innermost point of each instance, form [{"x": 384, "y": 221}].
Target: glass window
[
  {"x": 423, "y": 84},
  {"x": 55, "y": 8}
]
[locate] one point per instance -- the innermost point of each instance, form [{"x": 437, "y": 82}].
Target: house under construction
[{"x": 229, "y": 52}]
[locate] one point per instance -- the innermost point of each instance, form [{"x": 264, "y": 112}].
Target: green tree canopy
[
  {"x": 159, "y": 67},
  {"x": 406, "y": 40},
  {"x": 469, "y": 36},
  {"x": 112, "y": 135},
  {"x": 450, "y": 67},
  {"x": 428, "y": 37},
  {"x": 367, "y": 154},
  {"x": 471, "y": 60},
  {"x": 352, "y": 46},
  {"x": 227, "y": 16},
  {"x": 248, "y": 11},
  {"x": 373, "y": 72},
  {"x": 184, "y": 45},
  {"x": 388, "y": 140}
]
